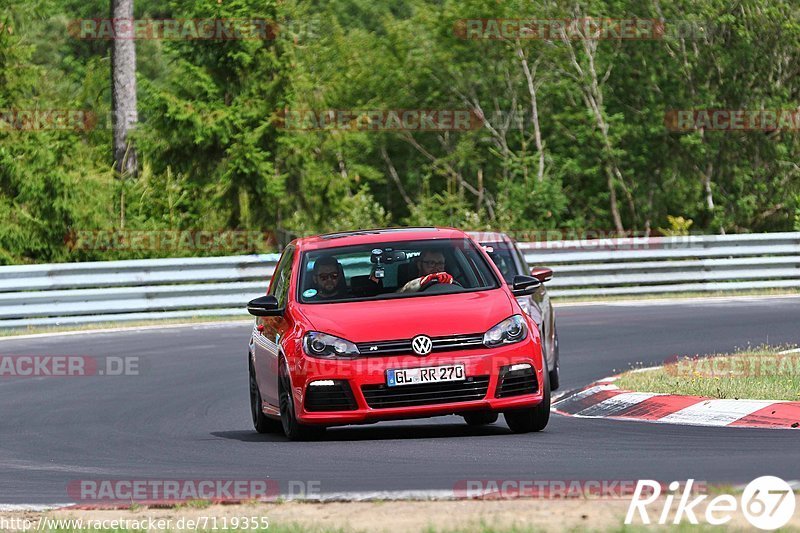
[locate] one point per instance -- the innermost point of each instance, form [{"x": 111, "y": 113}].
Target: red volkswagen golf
[{"x": 388, "y": 324}]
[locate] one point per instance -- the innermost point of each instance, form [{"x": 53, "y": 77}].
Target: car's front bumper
[{"x": 371, "y": 400}]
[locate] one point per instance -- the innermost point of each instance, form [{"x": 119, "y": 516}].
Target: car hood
[{"x": 403, "y": 318}]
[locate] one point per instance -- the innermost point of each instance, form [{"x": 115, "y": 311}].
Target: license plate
[{"x": 430, "y": 374}]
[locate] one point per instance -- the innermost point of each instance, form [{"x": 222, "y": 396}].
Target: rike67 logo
[{"x": 767, "y": 502}]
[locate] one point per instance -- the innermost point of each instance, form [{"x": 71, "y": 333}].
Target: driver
[
  {"x": 327, "y": 273},
  {"x": 431, "y": 269}
]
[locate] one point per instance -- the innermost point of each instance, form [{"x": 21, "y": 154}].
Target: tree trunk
[
  {"x": 123, "y": 93},
  {"x": 396, "y": 177},
  {"x": 537, "y": 134},
  {"x": 707, "y": 187}
]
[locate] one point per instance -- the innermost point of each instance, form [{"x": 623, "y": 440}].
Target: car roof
[{"x": 370, "y": 236}]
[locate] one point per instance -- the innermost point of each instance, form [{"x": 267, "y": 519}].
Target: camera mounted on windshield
[{"x": 382, "y": 257}]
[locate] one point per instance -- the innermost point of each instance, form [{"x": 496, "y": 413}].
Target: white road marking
[
  {"x": 644, "y": 369},
  {"x": 644, "y": 302},
  {"x": 12, "y": 507},
  {"x": 391, "y": 495},
  {"x": 378, "y": 495},
  {"x": 127, "y": 329},
  {"x": 786, "y": 352}
]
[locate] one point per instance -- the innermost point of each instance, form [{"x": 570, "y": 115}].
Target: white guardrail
[{"x": 135, "y": 290}]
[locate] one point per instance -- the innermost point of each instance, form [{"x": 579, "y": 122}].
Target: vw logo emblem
[{"x": 422, "y": 345}]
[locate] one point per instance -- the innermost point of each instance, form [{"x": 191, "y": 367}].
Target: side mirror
[
  {"x": 524, "y": 285},
  {"x": 542, "y": 274},
  {"x": 264, "y": 306}
]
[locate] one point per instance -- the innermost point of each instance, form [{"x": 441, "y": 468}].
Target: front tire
[
  {"x": 480, "y": 418},
  {"x": 293, "y": 429},
  {"x": 534, "y": 418},
  {"x": 261, "y": 422}
]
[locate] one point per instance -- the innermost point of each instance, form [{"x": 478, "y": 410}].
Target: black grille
[
  {"x": 382, "y": 397},
  {"x": 516, "y": 383},
  {"x": 440, "y": 344},
  {"x": 336, "y": 397}
]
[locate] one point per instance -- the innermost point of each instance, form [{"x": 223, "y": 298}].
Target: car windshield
[
  {"x": 502, "y": 255},
  {"x": 393, "y": 270}
]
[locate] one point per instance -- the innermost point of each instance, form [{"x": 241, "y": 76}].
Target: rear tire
[
  {"x": 261, "y": 422},
  {"x": 532, "y": 418},
  {"x": 480, "y": 418},
  {"x": 293, "y": 429}
]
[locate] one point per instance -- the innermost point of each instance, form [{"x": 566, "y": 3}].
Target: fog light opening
[{"x": 322, "y": 383}]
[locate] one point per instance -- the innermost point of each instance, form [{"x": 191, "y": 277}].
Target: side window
[
  {"x": 505, "y": 263},
  {"x": 283, "y": 273}
]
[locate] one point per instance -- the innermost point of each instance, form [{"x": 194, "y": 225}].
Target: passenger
[
  {"x": 431, "y": 268},
  {"x": 328, "y": 278}
]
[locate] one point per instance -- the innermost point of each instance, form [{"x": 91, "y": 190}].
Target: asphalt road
[{"x": 186, "y": 415}]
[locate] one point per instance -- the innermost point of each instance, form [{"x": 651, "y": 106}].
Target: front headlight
[
  {"x": 509, "y": 331},
  {"x": 326, "y": 346}
]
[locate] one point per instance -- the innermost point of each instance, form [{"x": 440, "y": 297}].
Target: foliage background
[{"x": 213, "y": 156}]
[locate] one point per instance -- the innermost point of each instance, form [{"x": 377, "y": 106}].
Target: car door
[{"x": 270, "y": 328}]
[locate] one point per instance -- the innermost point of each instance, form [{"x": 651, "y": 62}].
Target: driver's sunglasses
[
  {"x": 431, "y": 264},
  {"x": 325, "y": 277}
]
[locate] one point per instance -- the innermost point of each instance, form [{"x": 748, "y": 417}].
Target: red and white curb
[{"x": 603, "y": 399}]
